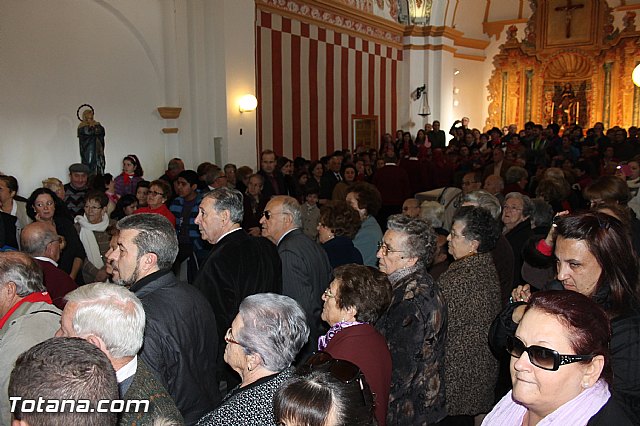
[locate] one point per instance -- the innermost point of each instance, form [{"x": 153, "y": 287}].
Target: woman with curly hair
[
  {"x": 353, "y": 303},
  {"x": 415, "y": 325},
  {"x": 472, "y": 290},
  {"x": 339, "y": 223}
]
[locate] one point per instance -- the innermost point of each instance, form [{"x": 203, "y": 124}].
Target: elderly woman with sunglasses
[
  {"x": 415, "y": 324},
  {"x": 325, "y": 392},
  {"x": 564, "y": 377},
  {"x": 594, "y": 257},
  {"x": 262, "y": 342},
  {"x": 472, "y": 290},
  {"x": 353, "y": 303}
]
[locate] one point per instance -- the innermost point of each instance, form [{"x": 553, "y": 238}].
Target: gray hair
[
  {"x": 22, "y": 270},
  {"x": 482, "y": 198},
  {"x": 432, "y": 212},
  {"x": 291, "y": 206},
  {"x": 227, "y": 199},
  {"x": 275, "y": 327},
  {"x": 420, "y": 239},
  {"x": 514, "y": 174},
  {"x": 527, "y": 205},
  {"x": 542, "y": 214},
  {"x": 112, "y": 313},
  {"x": 155, "y": 235},
  {"x": 38, "y": 239}
]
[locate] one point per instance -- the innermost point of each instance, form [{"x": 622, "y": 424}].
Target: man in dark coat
[
  {"x": 181, "y": 339},
  {"x": 273, "y": 180},
  {"x": 306, "y": 271},
  {"x": 330, "y": 178},
  {"x": 239, "y": 265}
]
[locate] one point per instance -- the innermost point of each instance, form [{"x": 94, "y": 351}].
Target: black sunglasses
[
  {"x": 341, "y": 369},
  {"x": 542, "y": 357}
]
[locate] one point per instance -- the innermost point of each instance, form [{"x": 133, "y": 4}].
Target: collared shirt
[
  {"x": 285, "y": 234},
  {"x": 127, "y": 370},
  {"x": 46, "y": 259},
  {"x": 227, "y": 233}
]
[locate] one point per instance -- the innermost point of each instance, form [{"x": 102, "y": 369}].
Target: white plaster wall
[
  {"x": 125, "y": 58},
  {"x": 470, "y": 84},
  {"x": 59, "y": 55}
]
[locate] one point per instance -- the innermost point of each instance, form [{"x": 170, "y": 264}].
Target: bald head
[{"x": 40, "y": 239}]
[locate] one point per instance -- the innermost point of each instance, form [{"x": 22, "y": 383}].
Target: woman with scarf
[
  {"x": 415, "y": 325},
  {"x": 127, "y": 181},
  {"x": 92, "y": 228},
  {"x": 353, "y": 303},
  {"x": 564, "y": 377}
]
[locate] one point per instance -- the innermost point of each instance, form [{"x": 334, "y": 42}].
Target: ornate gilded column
[
  {"x": 528, "y": 92},
  {"x": 606, "y": 106},
  {"x": 503, "y": 110}
]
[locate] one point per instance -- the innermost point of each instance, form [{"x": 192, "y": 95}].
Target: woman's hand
[
  {"x": 552, "y": 230},
  {"x": 522, "y": 293}
]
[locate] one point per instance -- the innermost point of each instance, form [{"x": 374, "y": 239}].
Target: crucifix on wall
[{"x": 568, "y": 10}]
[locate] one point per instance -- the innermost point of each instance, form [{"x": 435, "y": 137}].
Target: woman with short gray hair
[
  {"x": 262, "y": 343},
  {"x": 415, "y": 323},
  {"x": 516, "y": 213}
]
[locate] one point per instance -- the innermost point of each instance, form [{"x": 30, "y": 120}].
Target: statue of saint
[
  {"x": 568, "y": 106},
  {"x": 91, "y": 138}
]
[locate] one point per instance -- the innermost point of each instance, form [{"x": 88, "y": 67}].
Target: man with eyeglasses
[
  {"x": 306, "y": 270},
  {"x": 238, "y": 266},
  {"x": 40, "y": 241}
]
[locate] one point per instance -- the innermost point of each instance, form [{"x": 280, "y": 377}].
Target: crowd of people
[{"x": 399, "y": 285}]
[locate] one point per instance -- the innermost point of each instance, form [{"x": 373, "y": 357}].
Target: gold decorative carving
[
  {"x": 579, "y": 64},
  {"x": 169, "y": 113}
]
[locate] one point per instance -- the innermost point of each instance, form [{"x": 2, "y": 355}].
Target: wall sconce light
[
  {"x": 248, "y": 103},
  {"x": 424, "y": 107},
  {"x": 456, "y": 71},
  {"x": 456, "y": 103},
  {"x": 635, "y": 76},
  {"x": 419, "y": 11},
  {"x": 456, "y": 90}
]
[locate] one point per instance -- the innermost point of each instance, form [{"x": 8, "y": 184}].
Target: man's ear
[{"x": 148, "y": 261}]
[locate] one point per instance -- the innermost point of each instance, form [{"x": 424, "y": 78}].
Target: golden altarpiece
[{"x": 572, "y": 66}]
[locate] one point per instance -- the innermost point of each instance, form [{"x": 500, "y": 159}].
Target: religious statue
[
  {"x": 91, "y": 138},
  {"x": 548, "y": 107},
  {"x": 568, "y": 111}
]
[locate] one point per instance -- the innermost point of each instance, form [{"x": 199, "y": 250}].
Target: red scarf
[
  {"x": 127, "y": 177},
  {"x": 38, "y": 296}
]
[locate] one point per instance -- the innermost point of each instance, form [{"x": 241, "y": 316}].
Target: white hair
[
  {"x": 275, "y": 326},
  {"x": 112, "y": 313},
  {"x": 432, "y": 212}
]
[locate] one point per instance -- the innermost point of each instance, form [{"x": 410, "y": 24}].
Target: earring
[{"x": 585, "y": 385}]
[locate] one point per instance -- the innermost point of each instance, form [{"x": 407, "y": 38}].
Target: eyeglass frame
[
  {"x": 558, "y": 359},
  {"x": 267, "y": 214},
  {"x": 154, "y": 193},
  {"x": 321, "y": 358},
  {"x": 386, "y": 250},
  {"x": 228, "y": 337}
]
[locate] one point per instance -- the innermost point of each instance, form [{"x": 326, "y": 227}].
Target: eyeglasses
[
  {"x": 345, "y": 371},
  {"x": 384, "y": 249},
  {"x": 267, "y": 214},
  {"x": 328, "y": 293},
  {"x": 60, "y": 240},
  {"x": 92, "y": 208},
  {"x": 154, "y": 193},
  {"x": 512, "y": 208},
  {"x": 542, "y": 357},
  {"x": 229, "y": 338}
]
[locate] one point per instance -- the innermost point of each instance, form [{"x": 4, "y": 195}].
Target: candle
[
  {"x": 553, "y": 105},
  {"x": 577, "y": 112}
]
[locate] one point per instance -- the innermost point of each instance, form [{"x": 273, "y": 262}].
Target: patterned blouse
[
  {"x": 251, "y": 405},
  {"x": 415, "y": 326}
]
